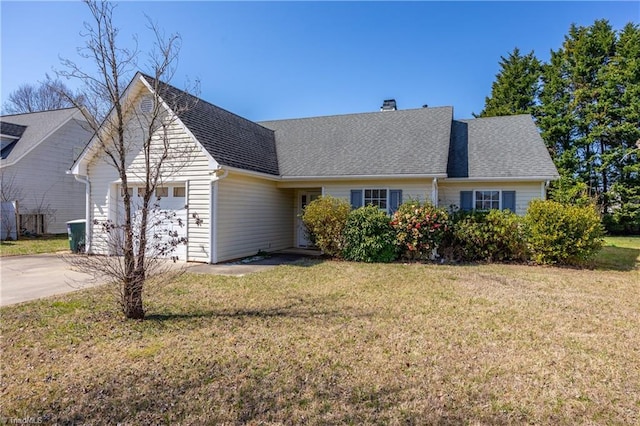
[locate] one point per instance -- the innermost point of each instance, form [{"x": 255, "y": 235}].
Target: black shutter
[
  {"x": 356, "y": 198},
  {"x": 395, "y": 196},
  {"x": 509, "y": 200},
  {"x": 466, "y": 200}
]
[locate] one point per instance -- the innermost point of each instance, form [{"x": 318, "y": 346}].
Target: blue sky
[{"x": 272, "y": 60}]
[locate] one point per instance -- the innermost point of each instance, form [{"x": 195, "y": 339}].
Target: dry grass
[
  {"x": 35, "y": 245},
  {"x": 337, "y": 342}
]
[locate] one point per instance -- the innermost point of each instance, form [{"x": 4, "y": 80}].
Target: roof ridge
[
  {"x": 38, "y": 112},
  {"x": 357, "y": 113},
  {"x": 495, "y": 117}
]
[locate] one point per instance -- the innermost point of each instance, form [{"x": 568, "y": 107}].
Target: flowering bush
[{"x": 419, "y": 228}]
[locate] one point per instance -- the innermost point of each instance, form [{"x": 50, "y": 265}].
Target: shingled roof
[
  {"x": 499, "y": 147},
  {"x": 425, "y": 141},
  {"x": 230, "y": 139},
  {"x": 31, "y": 128},
  {"x": 407, "y": 142}
]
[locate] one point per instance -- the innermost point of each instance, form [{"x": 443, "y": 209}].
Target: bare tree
[
  {"x": 42, "y": 97},
  {"x": 10, "y": 190},
  {"x": 143, "y": 233},
  {"x": 11, "y": 195}
]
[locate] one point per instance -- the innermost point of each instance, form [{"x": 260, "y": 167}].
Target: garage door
[{"x": 167, "y": 231}]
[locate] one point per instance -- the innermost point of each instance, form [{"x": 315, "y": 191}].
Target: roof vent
[
  {"x": 389, "y": 105},
  {"x": 146, "y": 104}
]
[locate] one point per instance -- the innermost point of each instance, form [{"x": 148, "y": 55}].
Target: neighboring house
[
  {"x": 249, "y": 182},
  {"x": 37, "y": 151}
]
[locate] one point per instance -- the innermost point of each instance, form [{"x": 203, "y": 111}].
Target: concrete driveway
[
  {"x": 32, "y": 277},
  {"x": 24, "y": 278}
]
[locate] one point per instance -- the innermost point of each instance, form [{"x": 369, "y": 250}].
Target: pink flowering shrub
[{"x": 420, "y": 228}]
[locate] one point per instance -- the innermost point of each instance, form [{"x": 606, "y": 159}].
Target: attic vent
[
  {"x": 389, "y": 105},
  {"x": 146, "y": 104}
]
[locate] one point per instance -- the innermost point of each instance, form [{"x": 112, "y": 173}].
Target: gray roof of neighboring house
[
  {"x": 36, "y": 126},
  {"x": 405, "y": 142},
  {"x": 230, "y": 139},
  {"x": 498, "y": 147}
]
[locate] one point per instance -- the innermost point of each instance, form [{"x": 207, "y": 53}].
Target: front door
[{"x": 304, "y": 198}]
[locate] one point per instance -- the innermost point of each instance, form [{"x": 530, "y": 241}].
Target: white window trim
[
  {"x": 387, "y": 196},
  {"x": 473, "y": 202},
  {"x": 135, "y": 188}
]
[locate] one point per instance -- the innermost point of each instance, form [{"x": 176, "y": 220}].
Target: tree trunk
[{"x": 132, "y": 295}]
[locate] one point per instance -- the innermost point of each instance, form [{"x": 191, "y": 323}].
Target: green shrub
[
  {"x": 325, "y": 219},
  {"x": 368, "y": 236},
  {"x": 569, "y": 191},
  {"x": 490, "y": 236},
  {"x": 562, "y": 234},
  {"x": 419, "y": 228}
]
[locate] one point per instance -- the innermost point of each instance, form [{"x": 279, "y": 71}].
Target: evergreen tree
[
  {"x": 516, "y": 87},
  {"x": 589, "y": 115},
  {"x": 623, "y": 78}
]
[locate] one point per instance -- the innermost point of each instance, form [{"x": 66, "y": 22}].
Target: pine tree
[
  {"x": 623, "y": 85},
  {"x": 516, "y": 87},
  {"x": 589, "y": 112}
]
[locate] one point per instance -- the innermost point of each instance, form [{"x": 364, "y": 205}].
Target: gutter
[
  {"x": 504, "y": 179},
  {"x": 364, "y": 177}
]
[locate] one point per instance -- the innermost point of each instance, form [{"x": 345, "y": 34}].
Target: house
[
  {"x": 248, "y": 182},
  {"x": 37, "y": 149}
]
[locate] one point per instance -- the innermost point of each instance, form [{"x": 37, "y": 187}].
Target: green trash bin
[{"x": 76, "y": 231}]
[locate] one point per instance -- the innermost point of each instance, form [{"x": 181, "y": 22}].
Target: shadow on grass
[
  {"x": 302, "y": 309},
  {"x": 617, "y": 259}
]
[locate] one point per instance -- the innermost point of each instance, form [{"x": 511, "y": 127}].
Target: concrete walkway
[{"x": 256, "y": 264}]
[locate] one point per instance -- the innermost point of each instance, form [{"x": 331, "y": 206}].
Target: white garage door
[{"x": 167, "y": 230}]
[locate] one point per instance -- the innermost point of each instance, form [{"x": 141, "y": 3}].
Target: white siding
[
  {"x": 195, "y": 174},
  {"x": 253, "y": 214},
  {"x": 41, "y": 175},
  {"x": 449, "y": 192}
]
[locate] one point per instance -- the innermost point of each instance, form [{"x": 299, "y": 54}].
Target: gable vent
[{"x": 146, "y": 104}]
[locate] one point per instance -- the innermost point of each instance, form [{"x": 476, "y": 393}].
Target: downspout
[
  {"x": 87, "y": 213},
  {"x": 434, "y": 192},
  {"x": 213, "y": 209}
]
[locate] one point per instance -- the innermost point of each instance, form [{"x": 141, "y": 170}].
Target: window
[
  {"x": 385, "y": 199},
  {"x": 376, "y": 197},
  {"x": 129, "y": 190},
  {"x": 162, "y": 192},
  {"x": 141, "y": 192},
  {"x": 487, "y": 200},
  {"x": 178, "y": 191}
]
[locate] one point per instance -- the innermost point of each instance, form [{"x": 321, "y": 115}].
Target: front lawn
[
  {"x": 336, "y": 342},
  {"x": 35, "y": 245},
  {"x": 621, "y": 253}
]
